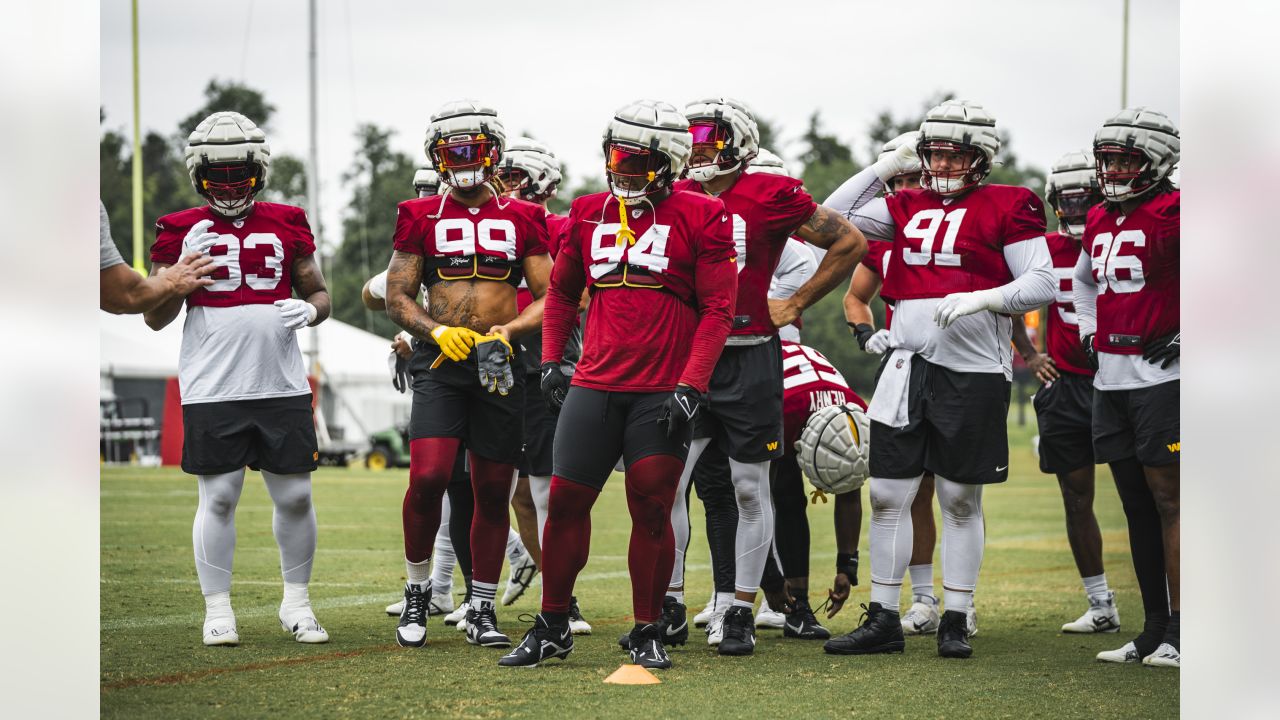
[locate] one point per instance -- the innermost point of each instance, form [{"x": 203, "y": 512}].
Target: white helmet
[
  {"x": 911, "y": 166},
  {"x": 767, "y": 163},
  {"x": 229, "y": 161},
  {"x": 537, "y": 164},
  {"x": 1130, "y": 132},
  {"x": 1072, "y": 188},
  {"x": 426, "y": 181},
  {"x": 834, "y": 448},
  {"x": 728, "y": 124},
  {"x": 651, "y": 138},
  {"x": 464, "y": 142},
  {"x": 958, "y": 125}
]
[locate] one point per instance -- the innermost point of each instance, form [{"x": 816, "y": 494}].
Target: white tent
[{"x": 353, "y": 364}]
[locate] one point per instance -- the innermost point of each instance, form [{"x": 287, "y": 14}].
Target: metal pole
[
  {"x": 1124, "y": 62},
  {"x": 137, "y": 155},
  {"x": 313, "y": 209}
]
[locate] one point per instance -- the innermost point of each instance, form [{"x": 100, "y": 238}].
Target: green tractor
[{"x": 388, "y": 448}]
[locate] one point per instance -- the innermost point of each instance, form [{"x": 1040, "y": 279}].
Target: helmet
[
  {"x": 530, "y": 169},
  {"x": 730, "y": 126},
  {"x": 464, "y": 142},
  {"x": 426, "y": 181},
  {"x": 1149, "y": 139},
  {"x": 768, "y": 163},
  {"x": 228, "y": 160},
  {"x": 1072, "y": 188},
  {"x": 833, "y": 448},
  {"x": 958, "y": 126},
  {"x": 911, "y": 139},
  {"x": 646, "y": 147}
]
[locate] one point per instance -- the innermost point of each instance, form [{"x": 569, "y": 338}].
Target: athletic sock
[
  {"x": 1173, "y": 633},
  {"x": 922, "y": 580},
  {"x": 296, "y": 597},
  {"x": 801, "y": 596},
  {"x": 743, "y": 603},
  {"x": 1095, "y": 586},
  {"x": 418, "y": 573},
  {"x": 956, "y": 600},
  {"x": 218, "y": 605},
  {"x": 482, "y": 593},
  {"x": 724, "y": 601},
  {"x": 555, "y": 618},
  {"x": 677, "y": 594}
]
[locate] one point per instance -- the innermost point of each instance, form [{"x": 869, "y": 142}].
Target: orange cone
[{"x": 632, "y": 675}]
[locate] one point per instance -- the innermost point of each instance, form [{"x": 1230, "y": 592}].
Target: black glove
[
  {"x": 555, "y": 386},
  {"x": 1086, "y": 344},
  {"x": 493, "y": 361},
  {"x": 862, "y": 332},
  {"x": 847, "y": 565},
  {"x": 400, "y": 381},
  {"x": 1163, "y": 350},
  {"x": 678, "y": 411}
]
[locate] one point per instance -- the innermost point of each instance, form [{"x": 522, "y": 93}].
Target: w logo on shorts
[{"x": 1175, "y": 447}]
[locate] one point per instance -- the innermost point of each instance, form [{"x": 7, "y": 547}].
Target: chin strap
[{"x": 625, "y": 232}]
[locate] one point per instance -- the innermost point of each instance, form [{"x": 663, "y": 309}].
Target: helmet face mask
[
  {"x": 1124, "y": 173},
  {"x": 229, "y": 186},
  {"x": 950, "y": 168},
  {"x": 634, "y": 172},
  {"x": 528, "y": 171},
  {"x": 713, "y": 152},
  {"x": 465, "y": 161},
  {"x": 1072, "y": 207},
  {"x": 1136, "y": 150},
  {"x": 514, "y": 180}
]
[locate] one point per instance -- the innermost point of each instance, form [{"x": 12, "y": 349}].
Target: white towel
[{"x": 889, "y": 405}]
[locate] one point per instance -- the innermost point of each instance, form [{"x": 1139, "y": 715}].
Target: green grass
[{"x": 153, "y": 664}]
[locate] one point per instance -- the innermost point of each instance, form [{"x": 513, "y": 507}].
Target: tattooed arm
[
  {"x": 537, "y": 273},
  {"x": 309, "y": 283},
  {"x": 404, "y": 280},
  {"x": 845, "y": 246}
]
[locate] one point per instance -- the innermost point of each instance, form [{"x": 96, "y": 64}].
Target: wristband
[{"x": 847, "y": 563}]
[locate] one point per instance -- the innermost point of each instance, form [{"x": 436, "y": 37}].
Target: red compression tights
[
  {"x": 566, "y": 541},
  {"x": 430, "y": 467},
  {"x": 491, "y": 523},
  {"x": 651, "y": 490}
]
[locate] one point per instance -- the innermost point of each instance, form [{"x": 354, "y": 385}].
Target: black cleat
[
  {"x": 482, "y": 628},
  {"x": 541, "y": 642},
  {"x": 624, "y": 642},
  {"x": 739, "y": 632},
  {"x": 674, "y": 622},
  {"x": 880, "y": 632},
  {"x": 646, "y": 648},
  {"x": 802, "y": 624},
  {"x": 412, "y": 629},
  {"x": 951, "y": 636}
]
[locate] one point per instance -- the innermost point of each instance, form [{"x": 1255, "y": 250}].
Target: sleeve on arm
[
  {"x": 537, "y": 240},
  {"x": 167, "y": 248},
  {"x": 791, "y": 207},
  {"x": 1084, "y": 292},
  {"x": 795, "y": 267},
  {"x": 560, "y": 311},
  {"x": 109, "y": 254},
  {"x": 716, "y": 287},
  {"x": 304, "y": 242},
  {"x": 1025, "y": 219},
  {"x": 855, "y": 192},
  {"x": 408, "y": 236},
  {"x": 874, "y": 220},
  {"x": 1034, "y": 283}
]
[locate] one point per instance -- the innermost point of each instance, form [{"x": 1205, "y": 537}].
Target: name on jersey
[{"x": 819, "y": 399}]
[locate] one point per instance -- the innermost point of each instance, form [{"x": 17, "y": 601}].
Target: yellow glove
[{"x": 455, "y": 342}]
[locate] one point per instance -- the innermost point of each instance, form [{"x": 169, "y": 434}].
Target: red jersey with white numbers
[
  {"x": 660, "y": 308},
  {"x": 945, "y": 245},
  {"x": 764, "y": 210},
  {"x": 1135, "y": 264},
  {"x": 1062, "y": 338},
  {"x": 809, "y": 382},
  {"x": 877, "y": 261},
  {"x": 556, "y": 225}
]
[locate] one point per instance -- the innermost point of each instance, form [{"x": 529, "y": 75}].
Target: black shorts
[
  {"x": 450, "y": 402},
  {"x": 1145, "y": 422},
  {"x": 743, "y": 409},
  {"x": 274, "y": 434},
  {"x": 956, "y": 428},
  {"x": 1064, "y": 411},
  {"x": 596, "y": 426},
  {"x": 539, "y": 430}
]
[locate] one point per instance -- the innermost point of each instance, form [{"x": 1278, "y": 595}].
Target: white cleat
[
  {"x": 715, "y": 629},
  {"x": 970, "y": 622},
  {"x": 521, "y": 576},
  {"x": 1165, "y": 656},
  {"x": 701, "y": 619},
  {"x": 441, "y": 604},
  {"x": 922, "y": 618},
  {"x": 221, "y": 631},
  {"x": 1101, "y": 617},
  {"x": 395, "y": 608},
  {"x": 769, "y": 618},
  {"x": 1126, "y": 654},
  {"x": 458, "y": 616},
  {"x": 577, "y": 624},
  {"x": 302, "y": 624}
]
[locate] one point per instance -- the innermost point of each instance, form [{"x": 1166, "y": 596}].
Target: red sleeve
[
  {"x": 408, "y": 235},
  {"x": 560, "y": 309},
  {"x": 167, "y": 248},
  {"x": 791, "y": 207},
  {"x": 716, "y": 286},
  {"x": 304, "y": 243},
  {"x": 536, "y": 238},
  {"x": 1025, "y": 219},
  {"x": 874, "y": 259}
]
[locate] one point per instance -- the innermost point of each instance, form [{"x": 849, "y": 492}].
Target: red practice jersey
[
  {"x": 947, "y": 245},
  {"x": 660, "y": 309},
  {"x": 462, "y": 243},
  {"x": 1062, "y": 339},
  {"x": 765, "y": 210},
  {"x": 809, "y": 382},
  {"x": 556, "y": 225},
  {"x": 254, "y": 255},
  {"x": 877, "y": 261},
  {"x": 1135, "y": 264}
]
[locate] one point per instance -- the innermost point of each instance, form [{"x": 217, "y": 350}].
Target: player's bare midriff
[{"x": 472, "y": 303}]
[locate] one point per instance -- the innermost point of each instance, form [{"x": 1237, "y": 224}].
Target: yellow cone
[{"x": 632, "y": 675}]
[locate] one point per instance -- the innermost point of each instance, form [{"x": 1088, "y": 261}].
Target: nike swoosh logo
[
  {"x": 795, "y": 628},
  {"x": 1002, "y": 469},
  {"x": 670, "y": 631}
]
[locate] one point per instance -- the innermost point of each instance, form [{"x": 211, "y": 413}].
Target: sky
[{"x": 1048, "y": 71}]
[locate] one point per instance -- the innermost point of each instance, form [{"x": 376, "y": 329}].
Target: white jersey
[
  {"x": 243, "y": 352},
  {"x": 795, "y": 266}
]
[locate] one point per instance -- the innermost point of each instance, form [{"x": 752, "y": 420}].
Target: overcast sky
[{"x": 1048, "y": 71}]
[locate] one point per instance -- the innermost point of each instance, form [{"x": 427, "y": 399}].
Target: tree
[
  {"x": 230, "y": 95},
  {"x": 827, "y": 161}
]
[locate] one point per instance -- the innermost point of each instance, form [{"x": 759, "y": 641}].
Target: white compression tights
[
  {"x": 680, "y": 510},
  {"x": 755, "y": 523},
  {"x": 963, "y": 539},
  {"x": 540, "y": 489},
  {"x": 890, "y": 536}
]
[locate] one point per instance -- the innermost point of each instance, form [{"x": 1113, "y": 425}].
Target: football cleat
[
  {"x": 922, "y": 618},
  {"x": 542, "y": 642},
  {"x": 441, "y": 604},
  {"x": 458, "y": 616},
  {"x": 971, "y": 622},
  {"x": 801, "y": 623},
  {"x": 770, "y": 618},
  {"x": 521, "y": 576},
  {"x": 1165, "y": 656},
  {"x": 301, "y": 622},
  {"x": 715, "y": 629},
  {"x": 952, "y": 634},
  {"x": 395, "y": 608},
  {"x": 1101, "y": 617},
  {"x": 221, "y": 631},
  {"x": 1126, "y": 654},
  {"x": 482, "y": 628},
  {"x": 646, "y": 648},
  {"x": 412, "y": 630},
  {"x": 880, "y": 632},
  {"x": 739, "y": 632},
  {"x": 674, "y": 623},
  {"x": 577, "y": 625},
  {"x": 703, "y": 618}
]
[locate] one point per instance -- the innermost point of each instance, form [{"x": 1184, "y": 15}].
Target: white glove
[
  {"x": 295, "y": 313},
  {"x": 957, "y": 305},
  {"x": 902, "y": 159},
  {"x": 199, "y": 239},
  {"x": 878, "y": 343}
]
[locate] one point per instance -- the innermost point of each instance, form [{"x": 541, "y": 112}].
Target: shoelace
[
  {"x": 487, "y": 619},
  {"x": 415, "y": 608}
]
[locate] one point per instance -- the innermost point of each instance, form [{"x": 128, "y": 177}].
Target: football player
[
  {"x": 1125, "y": 292},
  {"x": 470, "y": 247},
  {"x": 245, "y": 395},
  {"x": 966, "y": 255},
  {"x": 1064, "y": 403},
  {"x": 659, "y": 265},
  {"x": 744, "y": 409}
]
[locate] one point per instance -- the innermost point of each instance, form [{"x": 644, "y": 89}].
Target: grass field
[{"x": 153, "y": 664}]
